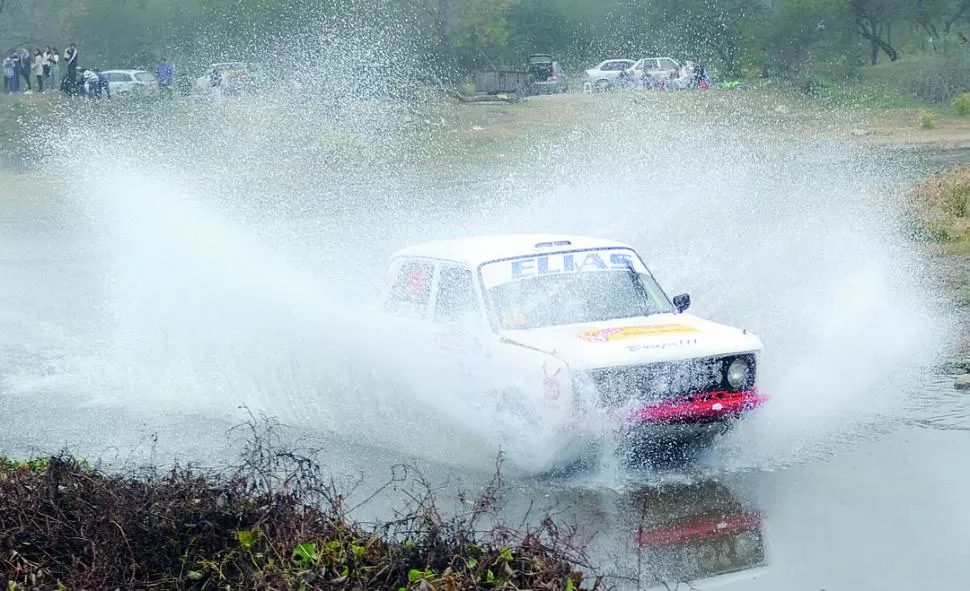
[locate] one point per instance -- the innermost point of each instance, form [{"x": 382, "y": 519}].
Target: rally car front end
[{"x": 678, "y": 401}]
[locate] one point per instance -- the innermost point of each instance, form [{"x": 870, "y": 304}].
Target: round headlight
[{"x": 737, "y": 373}]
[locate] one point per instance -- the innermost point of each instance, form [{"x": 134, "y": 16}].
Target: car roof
[
  {"x": 125, "y": 71},
  {"x": 474, "y": 250}
]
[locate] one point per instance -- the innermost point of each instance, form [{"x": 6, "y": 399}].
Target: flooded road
[{"x": 138, "y": 311}]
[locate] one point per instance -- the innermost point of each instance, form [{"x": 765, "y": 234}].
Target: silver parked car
[
  {"x": 606, "y": 72},
  {"x": 125, "y": 81}
]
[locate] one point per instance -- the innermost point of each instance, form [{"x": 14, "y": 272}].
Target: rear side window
[
  {"x": 456, "y": 299},
  {"x": 410, "y": 290},
  {"x": 144, "y": 77}
]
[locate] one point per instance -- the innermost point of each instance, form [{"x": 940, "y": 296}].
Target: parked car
[
  {"x": 234, "y": 77},
  {"x": 545, "y": 75},
  {"x": 125, "y": 81},
  {"x": 562, "y": 333},
  {"x": 655, "y": 67},
  {"x": 604, "y": 74}
]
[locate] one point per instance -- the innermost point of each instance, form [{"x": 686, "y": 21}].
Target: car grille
[{"x": 656, "y": 382}]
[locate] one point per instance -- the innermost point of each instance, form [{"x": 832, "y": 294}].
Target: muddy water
[{"x": 133, "y": 324}]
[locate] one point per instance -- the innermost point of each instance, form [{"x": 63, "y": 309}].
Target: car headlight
[{"x": 737, "y": 373}]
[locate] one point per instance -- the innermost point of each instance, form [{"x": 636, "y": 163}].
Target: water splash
[{"x": 243, "y": 241}]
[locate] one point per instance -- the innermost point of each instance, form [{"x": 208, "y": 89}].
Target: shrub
[
  {"x": 274, "y": 522},
  {"x": 927, "y": 119},
  {"x": 941, "y": 205},
  {"x": 961, "y": 104}
]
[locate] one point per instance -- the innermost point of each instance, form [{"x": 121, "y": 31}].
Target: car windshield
[{"x": 571, "y": 288}]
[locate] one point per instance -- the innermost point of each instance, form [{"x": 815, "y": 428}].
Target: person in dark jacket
[{"x": 71, "y": 55}]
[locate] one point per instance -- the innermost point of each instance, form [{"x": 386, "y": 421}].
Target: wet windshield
[{"x": 570, "y": 288}]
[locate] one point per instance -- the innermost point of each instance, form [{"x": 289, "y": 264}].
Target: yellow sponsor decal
[{"x": 603, "y": 335}]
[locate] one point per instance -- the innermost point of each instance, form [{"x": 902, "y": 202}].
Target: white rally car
[{"x": 566, "y": 332}]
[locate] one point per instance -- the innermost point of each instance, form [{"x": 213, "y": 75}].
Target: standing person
[
  {"x": 26, "y": 63},
  {"x": 55, "y": 59},
  {"x": 164, "y": 73},
  {"x": 8, "y": 74},
  {"x": 14, "y": 58},
  {"x": 71, "y": 57},
  {"x": 37, "y": 69},
  {"x": 46, "y": 64}
]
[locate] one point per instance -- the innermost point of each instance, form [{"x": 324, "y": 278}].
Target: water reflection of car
[
  {"x": 573, "y": 333},
  {"x": 606, "y": 72},
  {"x": 121, "y": 82},
  {"x": 696, "y": 533},
  {"x": 545, "y": 75}
]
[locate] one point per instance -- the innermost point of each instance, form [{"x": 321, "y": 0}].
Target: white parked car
[
  {"x": 655, "y": 67},
  {"x": 124, "y": 81},
  {"x": 232, "y": 76},
  {"x": 568, "y": 334},
  {"x": 607, "y": 71}
]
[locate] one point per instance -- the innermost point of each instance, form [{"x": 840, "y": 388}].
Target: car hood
[{"x": 650, "y": 339}]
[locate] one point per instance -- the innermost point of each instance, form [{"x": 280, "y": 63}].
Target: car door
[
  {"x": 457, "y": 316},
  {"x": 462, "y": 335}
]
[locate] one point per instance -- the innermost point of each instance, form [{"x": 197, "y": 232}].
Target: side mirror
[{"x": 682, "y": 302}]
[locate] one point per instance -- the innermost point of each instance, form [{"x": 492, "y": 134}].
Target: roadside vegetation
[
  {"x": 941, "y": 204},
  {"x": 276, "y": 521}
]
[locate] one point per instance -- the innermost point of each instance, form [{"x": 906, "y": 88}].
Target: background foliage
[{"x": 796, "y": 39}]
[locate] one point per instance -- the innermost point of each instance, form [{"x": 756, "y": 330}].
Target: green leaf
[
  {"x": 306, "y": 553},
  {"x": 471, "y": 562},
  {"x": 414, "y": 575},
  {"x": 194, "y": 575},
  {"x": 569, "y": 585},
  {"x": 489, "y": 576},
  {"x": 246, "y": 538}
]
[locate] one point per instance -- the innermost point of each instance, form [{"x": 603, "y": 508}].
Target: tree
[{"x": 874, "y": 19}]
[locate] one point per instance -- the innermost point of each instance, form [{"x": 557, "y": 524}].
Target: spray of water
[{"x": 243, "y": 241}]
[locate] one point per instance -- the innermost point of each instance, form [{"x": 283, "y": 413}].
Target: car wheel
[{"x": 602, "y": 84}]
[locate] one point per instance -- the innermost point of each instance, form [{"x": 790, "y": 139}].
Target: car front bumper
[{"x": 707, "y": 407}]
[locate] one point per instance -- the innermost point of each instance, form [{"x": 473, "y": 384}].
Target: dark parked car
[
  {"x": 542, "y": 75},
  {"x": 545, "y": 75}
]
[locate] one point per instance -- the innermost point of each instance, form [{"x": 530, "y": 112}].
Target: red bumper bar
[{"x": 701, "y": 408}]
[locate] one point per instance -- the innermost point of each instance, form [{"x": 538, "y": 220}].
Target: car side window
[
  {"x": 410, "y": 290},
  {"x": 456, "y": 300}
]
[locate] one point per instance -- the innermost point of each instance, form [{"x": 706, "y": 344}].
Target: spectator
[
  {"x": 164, "y": 73},
  {"x": 103, "y": 85},
  {"x": 8, "y": 74},
  {"x": 46, "y": 63},
  {"x": 71, "y": 57},
  {"x": 55, "y": 59},
  {"x": 91, "y": 81},
  {"x": 25, "y": 62},
  {"x": 37, "y": 69}
]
